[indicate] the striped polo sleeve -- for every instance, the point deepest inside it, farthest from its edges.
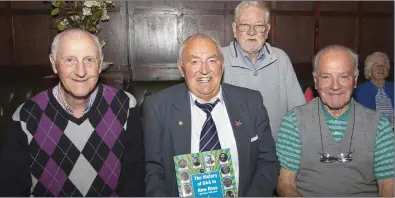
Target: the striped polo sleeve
(384, 150)
(288, 144)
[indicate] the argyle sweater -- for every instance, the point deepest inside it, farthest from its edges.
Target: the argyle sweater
(49, 152)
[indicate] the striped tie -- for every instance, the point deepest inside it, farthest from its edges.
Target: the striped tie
(208, 137)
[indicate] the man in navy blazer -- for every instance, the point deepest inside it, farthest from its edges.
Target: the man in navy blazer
(173, 124)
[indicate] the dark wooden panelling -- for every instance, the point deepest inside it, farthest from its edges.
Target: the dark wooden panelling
(228, 34)
(157, 73)
(304, 72)
(316, 25)
(145, 35)
(52, 34)
(32, 39)
(31, 5)
(156, 38)
(131, 36)
(374, 6)
(202, 5)
(5, 42)
(212, 25)
(272, 32)
(232, 4)
(116, 37)
(337, 30)
(159, 4)
(293, 6)
(377, 34)
(298, 43)
(350, 6)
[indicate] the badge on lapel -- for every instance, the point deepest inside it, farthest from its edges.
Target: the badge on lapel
(180, 123)
(237, 123)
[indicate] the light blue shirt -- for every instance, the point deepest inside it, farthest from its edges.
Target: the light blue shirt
(247, 59)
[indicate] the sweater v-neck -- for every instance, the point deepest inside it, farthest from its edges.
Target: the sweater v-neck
(55, 104)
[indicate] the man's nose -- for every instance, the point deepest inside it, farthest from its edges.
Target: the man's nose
(204, 69)
(80, 70)
(335, 85)
(252, 30)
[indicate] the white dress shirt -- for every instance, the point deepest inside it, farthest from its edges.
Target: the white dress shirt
(222, 123)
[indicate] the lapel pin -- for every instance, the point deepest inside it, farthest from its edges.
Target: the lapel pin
(237, 122)
(180, 123)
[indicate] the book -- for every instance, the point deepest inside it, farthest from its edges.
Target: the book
(206, 174)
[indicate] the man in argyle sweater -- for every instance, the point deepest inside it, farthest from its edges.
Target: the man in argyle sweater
(80, 138)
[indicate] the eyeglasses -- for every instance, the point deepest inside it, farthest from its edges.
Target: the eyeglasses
(246, 27)
(342, 157)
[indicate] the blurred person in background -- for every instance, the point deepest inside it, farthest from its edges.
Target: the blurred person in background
(377, 93)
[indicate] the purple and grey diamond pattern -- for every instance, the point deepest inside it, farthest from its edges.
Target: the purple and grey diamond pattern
(76, 160)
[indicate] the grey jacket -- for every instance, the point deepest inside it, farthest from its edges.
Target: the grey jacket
(275, 78)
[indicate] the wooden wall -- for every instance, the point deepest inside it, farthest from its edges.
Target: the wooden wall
(145, 35)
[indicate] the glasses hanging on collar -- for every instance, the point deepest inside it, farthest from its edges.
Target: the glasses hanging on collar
(343, 156)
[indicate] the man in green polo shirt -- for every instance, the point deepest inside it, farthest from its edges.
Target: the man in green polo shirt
(333, 146)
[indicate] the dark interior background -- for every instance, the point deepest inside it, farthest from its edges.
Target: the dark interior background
(144, 36)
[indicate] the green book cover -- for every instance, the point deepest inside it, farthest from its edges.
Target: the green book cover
(206, 174)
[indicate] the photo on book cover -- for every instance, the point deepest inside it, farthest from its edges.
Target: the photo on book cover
(206, 174)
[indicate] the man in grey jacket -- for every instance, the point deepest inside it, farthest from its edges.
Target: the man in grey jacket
(252, 63)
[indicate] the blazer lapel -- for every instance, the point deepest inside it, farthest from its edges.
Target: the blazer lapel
(180, 122)
(237, 116)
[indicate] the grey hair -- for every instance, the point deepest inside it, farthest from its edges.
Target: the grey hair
(258, 4)
(58, 37)
(199, 36)
(336, 48)
(371, 60)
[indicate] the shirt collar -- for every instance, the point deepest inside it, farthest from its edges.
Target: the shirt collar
(344, 117)
(261, 55)
(219, 96)
(59, 97)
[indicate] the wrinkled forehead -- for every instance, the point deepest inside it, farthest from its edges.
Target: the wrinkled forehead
(336, 61)
(201, 46)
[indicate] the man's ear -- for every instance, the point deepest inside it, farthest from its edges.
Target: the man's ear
(101, 61)
(356, 81)
(267, 31)
(234, 29)
(180, 68)
(315, 80)
(53, 63)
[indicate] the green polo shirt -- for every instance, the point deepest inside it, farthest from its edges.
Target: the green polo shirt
(289, 147)
(337, 126)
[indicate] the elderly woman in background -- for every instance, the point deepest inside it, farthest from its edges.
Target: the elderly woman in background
(377, 94)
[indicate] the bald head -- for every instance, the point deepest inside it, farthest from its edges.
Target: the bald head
(63, 37)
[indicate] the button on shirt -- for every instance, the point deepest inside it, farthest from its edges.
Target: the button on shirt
(222, 123)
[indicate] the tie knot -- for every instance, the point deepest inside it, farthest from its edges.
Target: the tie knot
(206, 107)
